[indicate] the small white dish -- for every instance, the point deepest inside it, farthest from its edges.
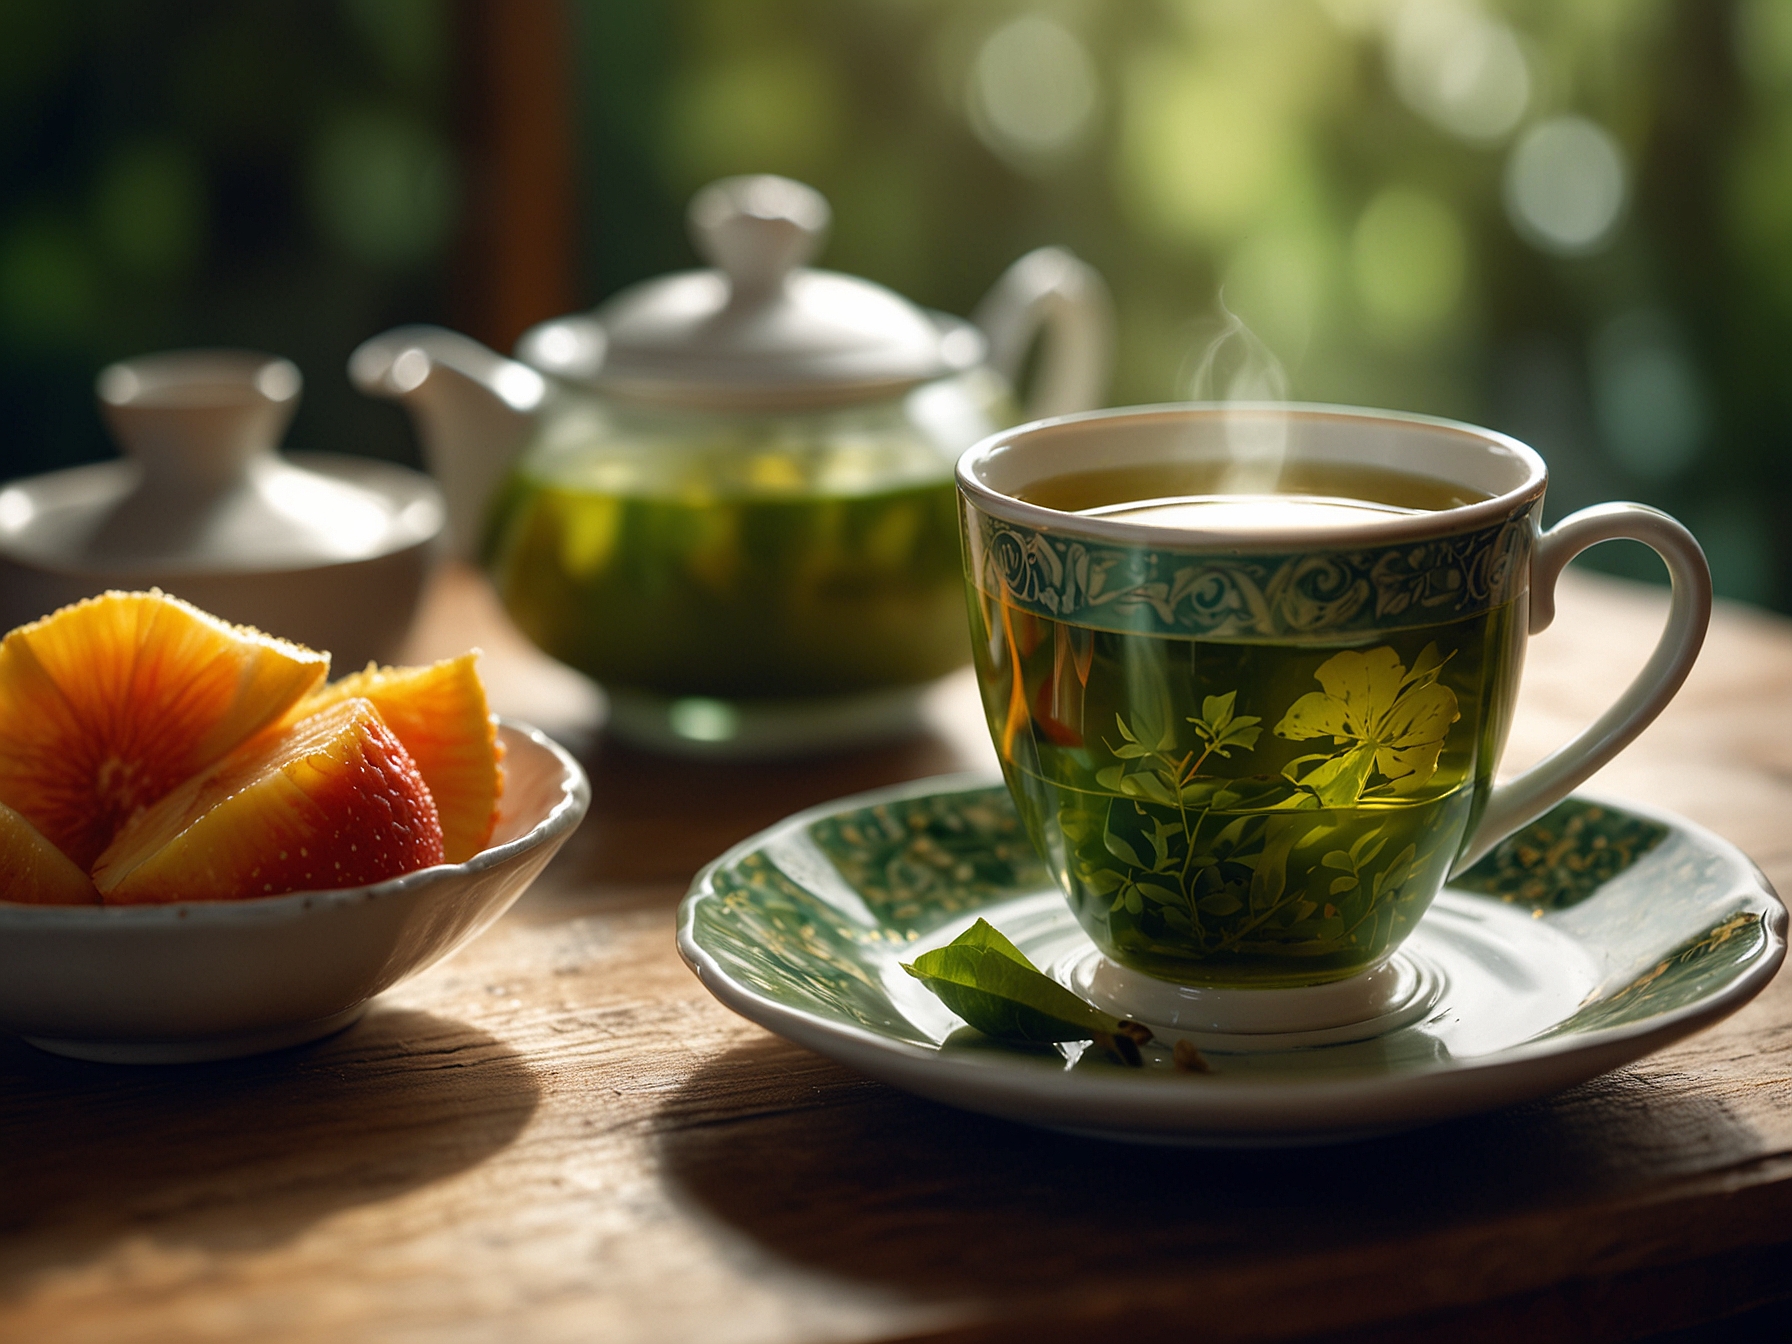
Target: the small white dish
(166, 984)
(1599, 933)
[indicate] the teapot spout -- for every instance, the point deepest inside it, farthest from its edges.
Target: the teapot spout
(473, 409)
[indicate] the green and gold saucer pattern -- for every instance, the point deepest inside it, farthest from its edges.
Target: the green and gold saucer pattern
(1597, 934)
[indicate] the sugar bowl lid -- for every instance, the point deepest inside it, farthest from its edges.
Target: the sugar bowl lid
(760, 328)
(203, 489)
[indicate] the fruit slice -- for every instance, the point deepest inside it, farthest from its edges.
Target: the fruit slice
(335, 801)
(439, 713)
(108, 704)
(35, 872)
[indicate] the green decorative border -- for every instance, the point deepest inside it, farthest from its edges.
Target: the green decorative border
(925, 860)
(1687, 975)
(770, 933)
(1241, 596)
(1563, 857)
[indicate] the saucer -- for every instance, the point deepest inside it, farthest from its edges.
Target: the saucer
(1594, 936)
(205, 980)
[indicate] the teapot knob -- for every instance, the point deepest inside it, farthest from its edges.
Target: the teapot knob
(758, 228)
(194, 420)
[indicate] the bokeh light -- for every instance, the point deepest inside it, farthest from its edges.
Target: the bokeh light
(1647, 395)
(1408, 258)
(1204, 154)
(49, 290)
(382, 188)
(1764, 44)
(1571, 221)
(772, 106)
(1460, 67)
(1738, 543)
(1033, 92)
(1565, 185)
(149, 208)
(1279, 282)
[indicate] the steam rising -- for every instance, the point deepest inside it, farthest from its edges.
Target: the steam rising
(1237, 367)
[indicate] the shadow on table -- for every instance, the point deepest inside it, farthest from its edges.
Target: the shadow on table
(244, 1154)
(863, 1181)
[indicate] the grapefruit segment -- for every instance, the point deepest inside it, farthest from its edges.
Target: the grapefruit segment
(35, 872)
(108, 704)
(334, 801)
(440, 714)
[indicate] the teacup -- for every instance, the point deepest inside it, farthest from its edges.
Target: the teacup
(1250, 669)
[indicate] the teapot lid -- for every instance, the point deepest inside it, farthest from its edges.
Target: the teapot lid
(760, 329)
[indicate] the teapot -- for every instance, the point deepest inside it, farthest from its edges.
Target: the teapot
(726, 494)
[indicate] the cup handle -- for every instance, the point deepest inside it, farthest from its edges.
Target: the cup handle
(1524, 799)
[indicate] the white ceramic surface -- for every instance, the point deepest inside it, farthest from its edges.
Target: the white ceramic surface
(804, 927)
(218, 979)
(327, 550)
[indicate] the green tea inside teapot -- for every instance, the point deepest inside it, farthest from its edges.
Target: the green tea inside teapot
(734, 485)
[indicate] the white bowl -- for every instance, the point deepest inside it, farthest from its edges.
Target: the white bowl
(167, 984)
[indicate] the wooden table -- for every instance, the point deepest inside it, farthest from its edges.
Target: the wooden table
(560, 1136)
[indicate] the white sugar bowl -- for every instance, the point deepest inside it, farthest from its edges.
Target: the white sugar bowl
(329, 550)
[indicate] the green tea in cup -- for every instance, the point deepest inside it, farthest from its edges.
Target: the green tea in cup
(1250, 705)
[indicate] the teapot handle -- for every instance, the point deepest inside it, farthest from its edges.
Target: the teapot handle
(1051, 289)
(473, 409)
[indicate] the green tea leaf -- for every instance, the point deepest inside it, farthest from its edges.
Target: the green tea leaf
(1217, 709)
(1270, 876)
(1218, 727)
(1338, 781)
(1148, 786)
(1122, 850)
(1202, 792)
(1252, 791)
(1103, 880)
(1241, 732)
(989, 982)
(1229, 835)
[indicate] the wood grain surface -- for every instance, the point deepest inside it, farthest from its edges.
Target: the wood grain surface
(558, 1135)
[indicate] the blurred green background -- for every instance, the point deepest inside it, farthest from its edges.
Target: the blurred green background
(1567, 219)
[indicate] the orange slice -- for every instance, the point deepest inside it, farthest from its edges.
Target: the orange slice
(35, 872)
(440, 714)
(108, 704)
(336, 801)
